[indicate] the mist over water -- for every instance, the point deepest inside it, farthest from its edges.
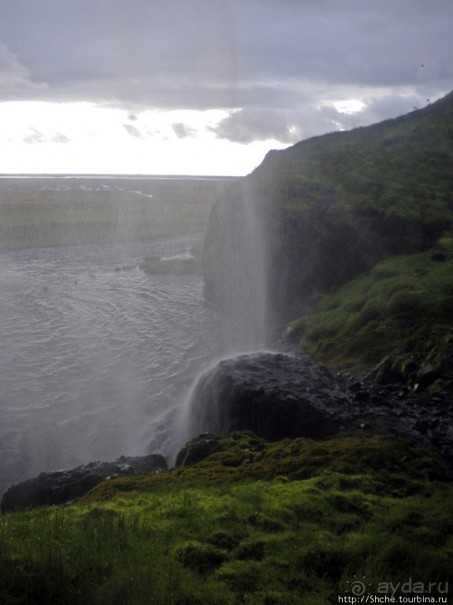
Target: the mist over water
(99, 359)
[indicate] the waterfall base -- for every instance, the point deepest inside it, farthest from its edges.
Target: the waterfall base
(280, 396)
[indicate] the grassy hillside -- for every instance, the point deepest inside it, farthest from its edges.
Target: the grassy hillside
(403, 308)
(294, 522)
(394, 176)
(339, 203)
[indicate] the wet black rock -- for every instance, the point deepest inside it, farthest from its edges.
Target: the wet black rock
(279, 396)
(62, 487)
(272, 394)
(438, 256)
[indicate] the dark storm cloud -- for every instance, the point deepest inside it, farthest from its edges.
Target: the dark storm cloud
(277, 61)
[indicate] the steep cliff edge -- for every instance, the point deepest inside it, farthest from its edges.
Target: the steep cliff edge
(338, 203)
(346, 200)
(333, 206)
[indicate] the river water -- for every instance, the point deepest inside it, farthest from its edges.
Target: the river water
(97, 356)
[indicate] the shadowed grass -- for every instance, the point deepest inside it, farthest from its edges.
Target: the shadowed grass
(403, 306)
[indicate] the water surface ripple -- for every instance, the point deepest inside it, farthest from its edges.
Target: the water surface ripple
(95, 353)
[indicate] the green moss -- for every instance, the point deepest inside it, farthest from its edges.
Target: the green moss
(202, 558)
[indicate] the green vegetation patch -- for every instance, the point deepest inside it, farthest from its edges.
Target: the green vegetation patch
(393, 177)
(259, 541)
(403, 306)
(379, 465)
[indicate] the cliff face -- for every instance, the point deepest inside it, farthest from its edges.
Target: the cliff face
(333, 206)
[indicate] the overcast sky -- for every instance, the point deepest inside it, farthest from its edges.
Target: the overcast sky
(206, 86)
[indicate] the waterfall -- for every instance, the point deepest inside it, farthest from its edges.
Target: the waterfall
(235, 268)
(235, 262)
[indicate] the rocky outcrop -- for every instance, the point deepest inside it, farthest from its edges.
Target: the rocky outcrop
(277, 395)
(273, 395)
(198, 449)
(62, 487)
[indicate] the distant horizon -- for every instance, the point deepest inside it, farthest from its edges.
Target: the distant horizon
(88, 175)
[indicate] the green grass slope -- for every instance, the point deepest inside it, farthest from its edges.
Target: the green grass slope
(403, 308)
(294, 522)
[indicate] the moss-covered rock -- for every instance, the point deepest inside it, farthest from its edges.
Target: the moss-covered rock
(198, 449)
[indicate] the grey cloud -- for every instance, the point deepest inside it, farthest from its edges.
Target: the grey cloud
(370, 43)
(311, 119)
(60, 138)
(285, 58)
(168, 49)
(181, 130)
(154, 53)
(13, 75)
(36, 136)
(285, 126)
(133, 131)
(256, 124)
